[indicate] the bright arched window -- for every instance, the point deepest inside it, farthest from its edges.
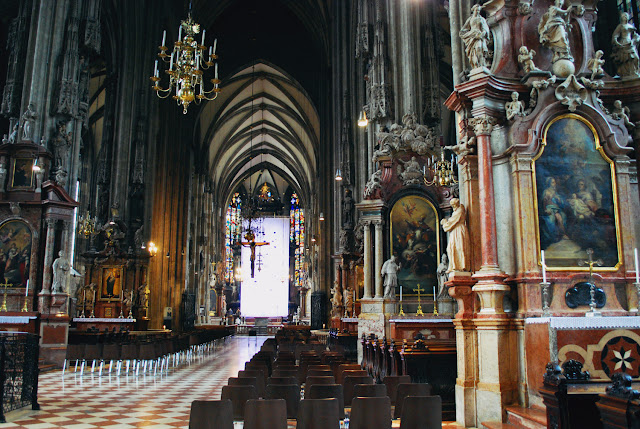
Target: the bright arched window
(297, 236)
(233, 233)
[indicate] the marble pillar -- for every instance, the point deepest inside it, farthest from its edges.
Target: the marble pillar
(48, 255)
(367, 260)
(379, 259)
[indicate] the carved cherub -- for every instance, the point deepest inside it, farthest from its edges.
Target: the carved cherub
(464, 147)
(526, 59)
(514, 107)
(622, 112)
(595, 65)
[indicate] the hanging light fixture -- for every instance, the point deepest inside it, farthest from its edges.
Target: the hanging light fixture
(362, 120)
(186, 66)
(338, 175)
(441, 172)
(321, 216)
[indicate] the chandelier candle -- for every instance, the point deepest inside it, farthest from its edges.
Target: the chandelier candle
(635, 255)
(544, 267)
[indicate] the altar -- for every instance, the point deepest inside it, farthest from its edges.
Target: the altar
(101, 323)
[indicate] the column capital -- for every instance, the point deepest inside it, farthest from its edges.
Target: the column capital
(51, 223)
(483, 125)
(377, 223)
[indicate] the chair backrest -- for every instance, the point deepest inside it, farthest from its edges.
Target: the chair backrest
(371, 413)
(211, 415)
(319, 414)
(323, 391)
(288, 392)
(265, 414)
(351, 373)
(239, 395)
(258, 375)
(279, 372)
(369, 390)
(350, 382)
(319, 373)
(282, 380)
(259, 365)
(311, 380)
(319, 366)
(254, 372)
(409, 389)
(340, 368)
(244, 381)
(421, 412)
(392, 381)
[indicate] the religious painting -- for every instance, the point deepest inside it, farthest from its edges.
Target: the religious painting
(111, 283)
(415, 241)
(15, 253)
(576, 197)
(22, 173)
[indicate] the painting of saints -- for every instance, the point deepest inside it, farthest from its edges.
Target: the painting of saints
(415, 241)
(576, 204)
(22, 173)
(111, 283)
(15, 253)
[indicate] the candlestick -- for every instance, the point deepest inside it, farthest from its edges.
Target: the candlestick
(544, 267)
(419, 312)
(84, 302)
(635, 254)
(93, 306)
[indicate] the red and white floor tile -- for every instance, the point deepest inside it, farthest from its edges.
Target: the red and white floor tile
(160, 401)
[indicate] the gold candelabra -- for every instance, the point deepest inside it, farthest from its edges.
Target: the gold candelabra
(442, 172)
(186, 67)
(86, 225)
(419, 312)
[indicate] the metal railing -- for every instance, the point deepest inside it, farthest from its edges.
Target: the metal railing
(18, 371)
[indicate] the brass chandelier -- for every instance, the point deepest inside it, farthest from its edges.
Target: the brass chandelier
(186, 67)
(442, 172)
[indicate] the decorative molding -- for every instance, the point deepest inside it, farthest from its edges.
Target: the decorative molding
(581, 323)
(571, 93)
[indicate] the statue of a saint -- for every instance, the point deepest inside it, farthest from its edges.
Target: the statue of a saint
(554, 28)
(28, 118)
(390, 275)
(625, 48)
(514, 107)
(441, 272)
(347, 210)
(336, 301)
(458, 246)
(348, 302)
(476, 36)
(60, 268)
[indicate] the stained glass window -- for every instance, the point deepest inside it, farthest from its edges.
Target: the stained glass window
(233, 232)
(297, 237)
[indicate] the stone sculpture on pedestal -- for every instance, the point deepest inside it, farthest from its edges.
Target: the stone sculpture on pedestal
(476, 36)
(458, 246)
(625, 48)
(390, 275)
(60, 269)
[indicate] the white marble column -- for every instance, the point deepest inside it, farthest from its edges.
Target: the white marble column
(379, 256)
(367, 260)
(48, 255)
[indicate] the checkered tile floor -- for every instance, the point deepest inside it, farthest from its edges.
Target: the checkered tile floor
(128, 401)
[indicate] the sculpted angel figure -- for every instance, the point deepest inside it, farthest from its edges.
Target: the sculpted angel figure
(620, 112)
(514, 107)
(625, 47)
(464, 147)
(476, 36)
(373, 183)
(595, 65)
(526, 59)
(554, 29)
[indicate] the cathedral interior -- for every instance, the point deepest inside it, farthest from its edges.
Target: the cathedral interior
(443, 189)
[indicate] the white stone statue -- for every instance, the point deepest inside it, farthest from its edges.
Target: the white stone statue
(464, 147)
(60, 269)
(348, 302)
(28, 117)
(336, 301)
(13, 137)
(476, 36)
(595, 65)
(622, 112)
(554, 31)
(375, 182)
(412, 174)
(390, 276)
(458, 247)
(526, 59)
(514, 107)
(441, 272)
(625, 41)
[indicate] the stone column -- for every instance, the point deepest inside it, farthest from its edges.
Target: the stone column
(490, 286)
(379, 257)
(48, 256)
(367, 260)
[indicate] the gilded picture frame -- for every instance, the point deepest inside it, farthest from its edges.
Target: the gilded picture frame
(415, 240)
(111, 283)
(576, 200)
(15, 253)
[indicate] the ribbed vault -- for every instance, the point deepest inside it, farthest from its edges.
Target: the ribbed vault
(263, 120)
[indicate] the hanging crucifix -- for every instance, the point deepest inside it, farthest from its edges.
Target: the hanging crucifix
(251, 243)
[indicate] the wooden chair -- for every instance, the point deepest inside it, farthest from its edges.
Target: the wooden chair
(239, 395)
(282, 380)
(319, 414)
(323, 391)
(319, 380)
(246, 381)
(350, 382)
(421, 412)
(371, 413)
(341, 367)
(319, 373)
(288, 392)
(392, 382)
(265, 414)
(409, 389)
(211, 415)
(351, 373)
(369, 390)
(260, 380)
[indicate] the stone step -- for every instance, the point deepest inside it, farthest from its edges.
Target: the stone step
(529, 418)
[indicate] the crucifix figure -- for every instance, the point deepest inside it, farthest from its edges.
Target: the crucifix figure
(419, 312)
(251, 242)
(592, 290)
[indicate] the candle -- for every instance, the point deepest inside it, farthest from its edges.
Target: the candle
(164, 37)
(171, 64)
(434, 293)
(203, 31)
(197, 62)
(216, 72)
(215, 45)
(400, 293)
(179, 33)
(635, 254)
(544, 267)
(155, 69)
(84, 300)
(26, 291)
(210, 50)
